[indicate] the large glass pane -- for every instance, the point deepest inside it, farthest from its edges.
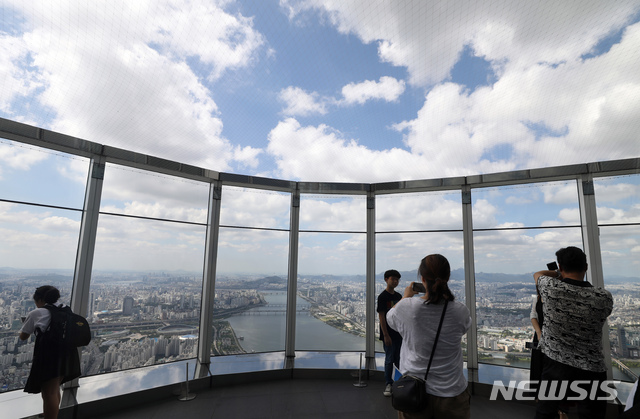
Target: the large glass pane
(38, 247)
(251, 280)
(425, 220)
(420, 211)
(333, 213)
(618, 199)
(141, 193)
(505, 261)
(145, 293)
(618, 209)
(404, 251)
(244, 207)
(532, 205)
(251, 291)
(331, 292)
(36, 175)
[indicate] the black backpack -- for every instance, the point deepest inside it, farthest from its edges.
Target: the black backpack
(72, 330)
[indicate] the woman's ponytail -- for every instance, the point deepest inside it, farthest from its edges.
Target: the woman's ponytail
(435, 270)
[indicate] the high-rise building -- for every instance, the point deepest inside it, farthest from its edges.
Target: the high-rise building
(622, 342)
(127, 306)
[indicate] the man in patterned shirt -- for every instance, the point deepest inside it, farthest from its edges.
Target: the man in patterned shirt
(574, 315)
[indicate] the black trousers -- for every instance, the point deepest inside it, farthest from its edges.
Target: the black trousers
(554, 373)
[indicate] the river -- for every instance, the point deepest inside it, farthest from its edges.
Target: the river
(262, 330)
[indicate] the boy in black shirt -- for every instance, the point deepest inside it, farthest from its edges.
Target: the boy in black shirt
(391, 340)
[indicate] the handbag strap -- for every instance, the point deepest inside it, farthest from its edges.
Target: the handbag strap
(435, 343)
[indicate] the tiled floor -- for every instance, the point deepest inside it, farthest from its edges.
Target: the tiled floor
(299, 398)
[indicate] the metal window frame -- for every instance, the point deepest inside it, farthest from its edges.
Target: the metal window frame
(100, 154)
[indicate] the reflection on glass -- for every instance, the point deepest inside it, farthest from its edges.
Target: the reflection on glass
(141, 193)
(488, 374)
(251, 291)
(331, 281)
(532, 205)
(36, 175)
(333, 213)
(244, 207)
(222, 365)
(331, 360)
(37, 247)
(505, 262)
(145, 295)
(618, 209)
(104, 386)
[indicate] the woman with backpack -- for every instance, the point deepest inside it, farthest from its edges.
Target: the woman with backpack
(53, 363)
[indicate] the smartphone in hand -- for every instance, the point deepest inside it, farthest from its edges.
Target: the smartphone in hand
(418, 287)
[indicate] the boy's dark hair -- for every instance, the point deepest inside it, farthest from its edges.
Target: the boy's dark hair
(572, 259)
(392, 272)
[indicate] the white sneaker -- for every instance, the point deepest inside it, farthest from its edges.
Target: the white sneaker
(387, 391)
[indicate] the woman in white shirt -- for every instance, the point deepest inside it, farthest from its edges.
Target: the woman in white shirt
(52, 363)
(417, 319)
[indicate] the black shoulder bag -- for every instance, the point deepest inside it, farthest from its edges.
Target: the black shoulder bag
(409, 393)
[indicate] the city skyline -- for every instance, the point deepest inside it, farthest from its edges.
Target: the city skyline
(143, 320)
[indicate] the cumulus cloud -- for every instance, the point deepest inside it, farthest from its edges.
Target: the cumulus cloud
(388, 88)
(298, 102)
(301, 103)
(427, 39)
(19, 158)
(542, 80)
(247, 156)
(50, 234)
(322, 154)
(19, 79)
(110, 79)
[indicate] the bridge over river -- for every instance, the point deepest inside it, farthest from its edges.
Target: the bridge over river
(273, 310)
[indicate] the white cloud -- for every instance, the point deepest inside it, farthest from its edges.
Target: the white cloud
(247, 156)
(560, 193)
(519, 200)
(244, 207)
(428, 37)
(19, 158)
(49, 234)
(541, 79)
(609, 215)
(321, 154)
(117, 73)
(607, 192)
(18, 78)
(569, 216)
(457, 129)
(300, 103)
(345, 214)
(388, 88)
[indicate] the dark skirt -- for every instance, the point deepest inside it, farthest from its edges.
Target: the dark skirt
(50, 360)
(535, 370)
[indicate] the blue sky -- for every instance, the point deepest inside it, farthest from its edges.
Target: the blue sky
(340, 91)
